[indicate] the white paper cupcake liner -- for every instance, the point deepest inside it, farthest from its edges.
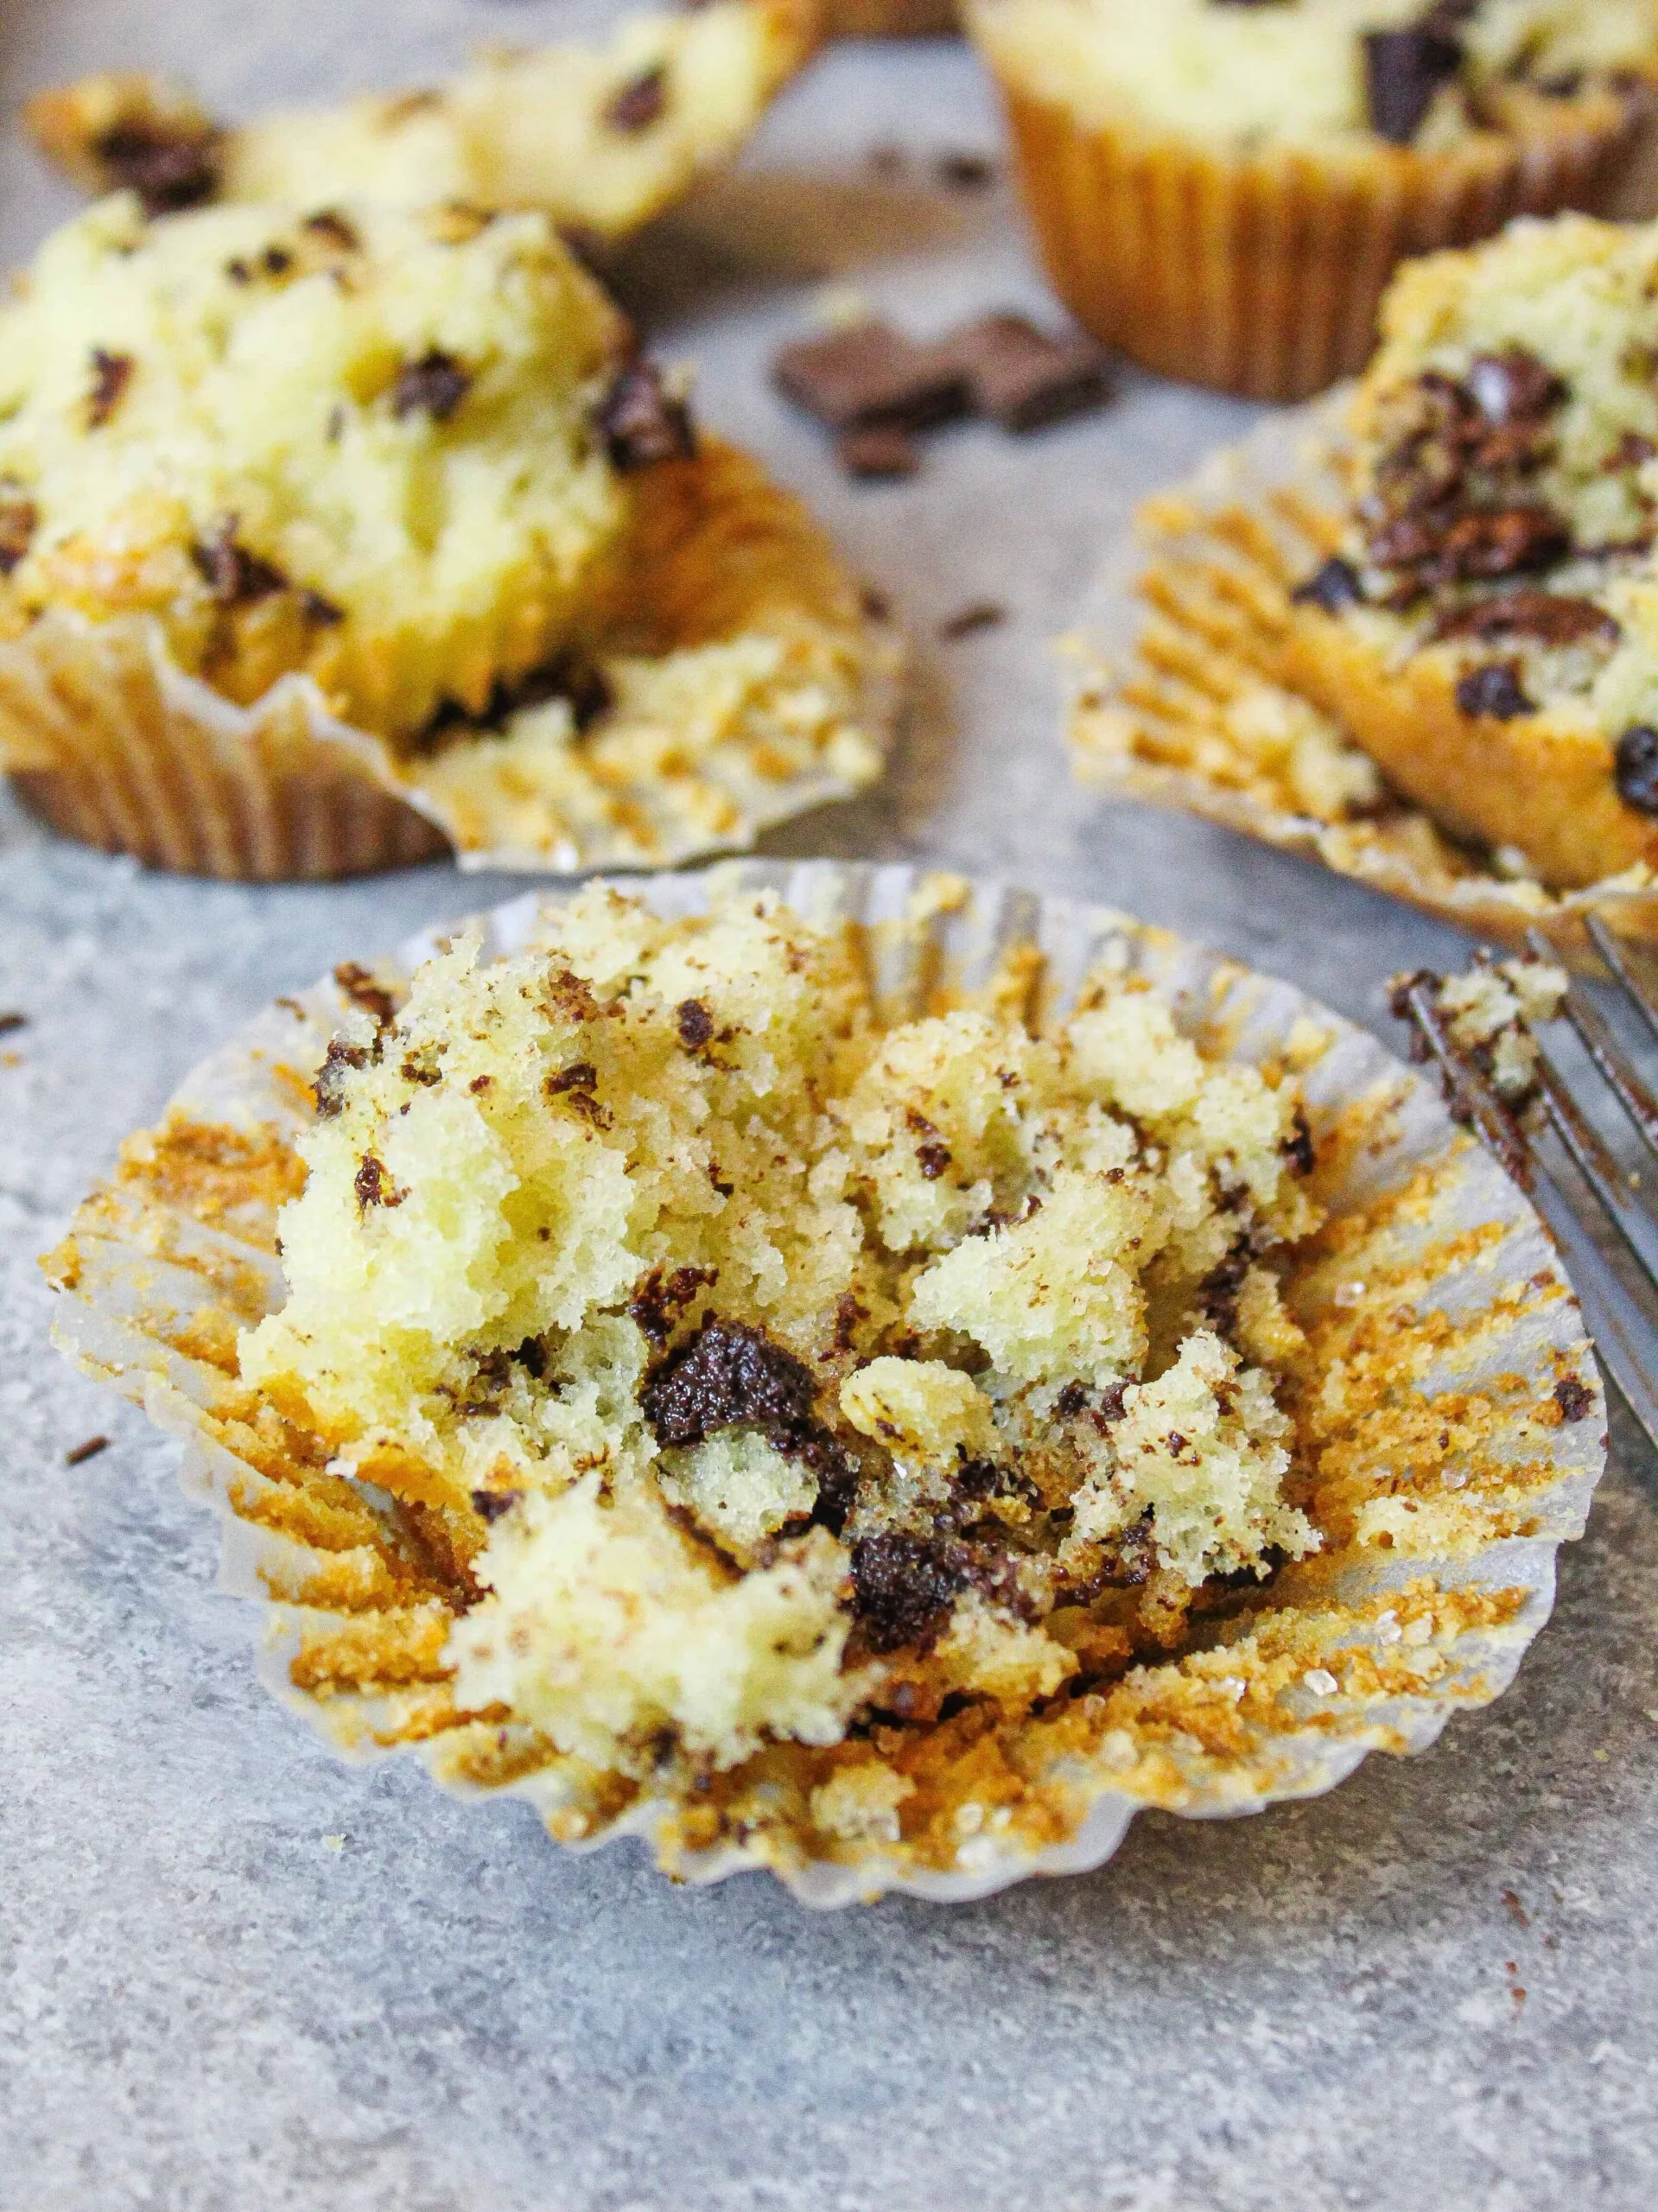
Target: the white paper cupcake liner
(1443, 1505)
(1248, 516)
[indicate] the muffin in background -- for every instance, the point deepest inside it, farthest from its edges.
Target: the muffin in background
(602, 139)
(1223, 189)
(312, 526)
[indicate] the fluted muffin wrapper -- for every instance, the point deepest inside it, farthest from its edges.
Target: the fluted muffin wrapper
(111, 743)
(1437, 1283)
(1261, 271)
(1194, 589)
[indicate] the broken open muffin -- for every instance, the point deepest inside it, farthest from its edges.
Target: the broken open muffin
(322, 532)
(599, 140)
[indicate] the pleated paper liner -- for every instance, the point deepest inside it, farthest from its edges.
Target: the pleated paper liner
(113, 743)
(1441, 1472)
(1261, 271)
(1178, 696)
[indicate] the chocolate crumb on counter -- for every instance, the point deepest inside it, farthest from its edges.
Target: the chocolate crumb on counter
(963, 172)
(1635, 768)
(1333, 585)
(434, 384)
(980, 614)
(233, 575)
(870, 373)
(1404, 72)
(168, 168)
(10, 1023)
(89, 1450)
(641, 422)
(1023, 379)
(639, 103)
(878, 454)
(111, 374)
(1574, 1398)
(1495, 690)
(727, 1375)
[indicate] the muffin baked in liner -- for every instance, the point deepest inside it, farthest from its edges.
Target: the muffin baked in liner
(1259, 271)
(113, 743)
(1444, 1464)
(603, 141)
(1183, 692)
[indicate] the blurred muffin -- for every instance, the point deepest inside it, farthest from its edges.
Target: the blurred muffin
(300, 514)
(600, 140)
(1223, 188)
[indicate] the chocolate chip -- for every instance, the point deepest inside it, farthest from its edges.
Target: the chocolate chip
(1494, 691)
(1332, 586)
(235, 576)
(695, 1024)
(490, 1504)
(330, 225)
(89, 1450)
(879, 453)
(869, 374)
(1404, 71)
(1071, 1401)
(1573, 1397)
(932, 1159)
(640, 423)
(659, 1298)
(436, 385)
(727, 1375)
(329, 1088)
(581, 1074)
(980, 615)
(639, 103)
(1024, 378)
(570, 675)
(373, 1186)
(111, 374)
(168, 170)
(1636, 770)
(19, 519)
(905, 1588)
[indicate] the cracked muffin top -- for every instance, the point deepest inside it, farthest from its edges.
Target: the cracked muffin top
(1325, 72)
(760, 1365)
(377, 446)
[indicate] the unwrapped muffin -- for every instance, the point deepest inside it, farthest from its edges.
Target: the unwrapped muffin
(305, 518)
(1222, 189)
(600, 140)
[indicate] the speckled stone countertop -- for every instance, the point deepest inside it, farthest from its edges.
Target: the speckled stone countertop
(237, 1973)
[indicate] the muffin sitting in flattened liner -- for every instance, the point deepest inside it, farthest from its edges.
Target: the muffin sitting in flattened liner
(1222, 189)
(305, 516)
(602, 141)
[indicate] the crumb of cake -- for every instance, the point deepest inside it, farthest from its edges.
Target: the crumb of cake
(1490, 1011)
(765, 1365)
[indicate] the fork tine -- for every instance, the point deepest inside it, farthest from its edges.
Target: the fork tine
(1612, 953)
(1608, 1056)
(1597, 1167)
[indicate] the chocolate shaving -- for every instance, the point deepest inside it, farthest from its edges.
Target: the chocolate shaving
(168, 168)
(581, 1074)
(1495, 690)
(1404, 71)
(640, 423)
(235, 576)
(1635, 768)
(111, 374)
(89, 1450)
(436, 385)
(1550, 617)
(727, 1375)
(639, 103)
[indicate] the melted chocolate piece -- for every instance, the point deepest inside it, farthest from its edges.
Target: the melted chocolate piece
(1478, 547)
(1549, 617)
(111, 374)
(1574, 1398)
(1299, 1148)
(639, 103)
(905, 1588)
(640, 424)
(1404, 71)
(728, 1375)
(570, 675)
(1495, 690)
(659, 1298)
(1635, 768)
(1512, 386)
(967, 621)
(331, 227)
(235, 576)
(695, 1024)
(168, 170)
(1333, 585)
(434, 384)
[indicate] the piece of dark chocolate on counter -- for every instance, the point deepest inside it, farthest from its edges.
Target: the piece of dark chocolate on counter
(870, 373)
(1635, 768)
(879, 453)
(1495, 690)
(1333, 585)
(1023, 377)
(1552, 618)
(1404, 71)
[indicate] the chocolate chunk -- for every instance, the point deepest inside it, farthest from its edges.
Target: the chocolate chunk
(1512, 386)
(235, 576)
(1636, 770)
(168, 170)
(1574, 1398)
(1495, 690)
(659, 1298)
(639, 103)
(1404, 71)
(640, 423)
(89, 1450)
(1550, 617)
(373, 1186)
(436, 385)
(980, 615)
(905, 1588)
(872, 373)
(19, 519)
(727, 1375)
(329, 1087)
(965, 172)
(695, 1024)
(1024, 378)
(331, 227)
(490, 1504)
(1332, 586)
(111, 374)
(878, 454)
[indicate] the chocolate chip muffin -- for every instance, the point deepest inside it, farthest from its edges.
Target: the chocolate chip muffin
(1223, 188)
(601, 140)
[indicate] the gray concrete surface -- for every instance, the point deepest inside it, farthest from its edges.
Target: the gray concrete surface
(236, 1974)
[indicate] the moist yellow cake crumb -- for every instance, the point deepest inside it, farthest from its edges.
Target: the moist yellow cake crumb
(768, 1363)
(358, 442)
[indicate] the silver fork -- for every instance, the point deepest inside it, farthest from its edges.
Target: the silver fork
(1560, 1159)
